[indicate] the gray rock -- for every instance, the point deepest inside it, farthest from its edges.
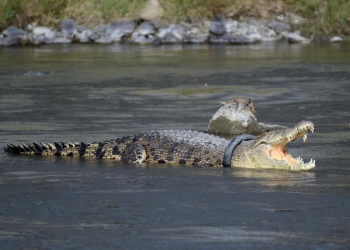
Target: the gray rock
(163, 31)
(217, 28)
(199, 39)
(254, 38)
(13, 31)
(238, 117)
(32, 39)
(218, 25)
(279, 27)
(186, 25)
(49, 41)
(120, 30)
(93, 36)
(219, 39)
(81, 28)
(12, 36)
(62, 40)
(271, 38)
(336, 39)
(177, 31)
(83, 37)
(157, 23)
(104, 40)
(102, 28)
(231, 26)
(29, 27)
(25, 39)
(10, 41)
(37, 39)
(68, 27)
(145, 28)
(172, 34)
(45, 31)
(242, 39)
(194, 31)
(169, 39)
(266, 32)
(156, 40)
(296, 38)
(140, 39)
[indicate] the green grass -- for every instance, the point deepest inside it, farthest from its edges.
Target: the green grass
(325, 17)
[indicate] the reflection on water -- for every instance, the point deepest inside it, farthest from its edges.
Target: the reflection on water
(277, 178)
(126, 60)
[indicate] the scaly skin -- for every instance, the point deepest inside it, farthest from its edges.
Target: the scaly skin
(185, 148)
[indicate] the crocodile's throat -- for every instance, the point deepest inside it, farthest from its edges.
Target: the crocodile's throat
(280, 153)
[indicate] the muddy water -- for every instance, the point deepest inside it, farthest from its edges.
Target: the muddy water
(94, 93)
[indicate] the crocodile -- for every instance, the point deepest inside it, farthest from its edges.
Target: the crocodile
(185, 147)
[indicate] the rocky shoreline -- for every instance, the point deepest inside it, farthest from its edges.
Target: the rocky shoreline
(219, 30)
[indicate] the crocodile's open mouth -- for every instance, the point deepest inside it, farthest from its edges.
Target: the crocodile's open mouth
(275, 144)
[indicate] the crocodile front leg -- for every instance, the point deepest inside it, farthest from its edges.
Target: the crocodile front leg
(134, 153)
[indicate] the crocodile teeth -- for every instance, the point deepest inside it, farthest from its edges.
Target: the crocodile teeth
(300, 159)
(312, 161)
(312, 129)
(305, 137)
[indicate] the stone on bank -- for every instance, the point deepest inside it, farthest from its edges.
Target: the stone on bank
(151, 31)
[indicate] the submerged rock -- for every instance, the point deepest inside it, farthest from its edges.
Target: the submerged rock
(238, 117)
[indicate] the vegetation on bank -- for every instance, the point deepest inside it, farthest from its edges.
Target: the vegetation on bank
(324, 17)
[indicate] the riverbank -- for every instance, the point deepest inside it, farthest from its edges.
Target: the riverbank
(217, 31)
(152, 22)
(323, 18)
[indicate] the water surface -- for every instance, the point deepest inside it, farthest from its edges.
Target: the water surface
(94, 93)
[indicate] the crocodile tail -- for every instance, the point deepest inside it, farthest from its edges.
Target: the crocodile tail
(55, 149)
